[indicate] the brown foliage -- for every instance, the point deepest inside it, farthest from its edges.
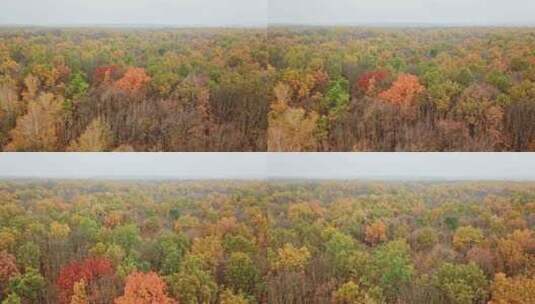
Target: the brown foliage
(483, 257)
(375, 233)
(8, 267)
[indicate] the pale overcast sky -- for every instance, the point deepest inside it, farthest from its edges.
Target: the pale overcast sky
(481, 12)
(258, 12)
(505, 166)
(133, 12)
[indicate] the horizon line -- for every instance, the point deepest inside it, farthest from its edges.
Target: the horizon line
(385, 178)
(272, 24)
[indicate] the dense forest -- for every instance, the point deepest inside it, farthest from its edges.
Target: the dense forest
(274, 89)
(342, 242)
(143, 90)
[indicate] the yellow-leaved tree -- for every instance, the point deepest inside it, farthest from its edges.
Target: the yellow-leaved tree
(96, 138)
(290, 129)
(38, 130)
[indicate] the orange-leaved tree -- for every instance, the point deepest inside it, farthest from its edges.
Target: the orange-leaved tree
(145, 288)
(403, 91)
(376, 233)
(518, 289)
(133, 80)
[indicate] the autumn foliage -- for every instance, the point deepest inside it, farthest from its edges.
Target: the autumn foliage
(106, 74)
(144, 288)
(8, 267)
(79, 295)
(291, 129)
(133, 81)
(369, 81)
(38, 129)
(512, 290)
(96, 138)
(89, 270)
(276, 241)
(376, 233)
(346, 89)
(403, 91)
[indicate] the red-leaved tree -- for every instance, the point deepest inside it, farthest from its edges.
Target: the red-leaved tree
(8, 267)
(105, 74)
(368, 81)
(90, 270)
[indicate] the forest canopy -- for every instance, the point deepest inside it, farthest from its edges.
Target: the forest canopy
(342, 242)
(274, 89)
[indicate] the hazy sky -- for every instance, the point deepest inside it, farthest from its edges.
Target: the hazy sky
(482, 12)
(165, 12)
(262, 165)
(258, 12)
